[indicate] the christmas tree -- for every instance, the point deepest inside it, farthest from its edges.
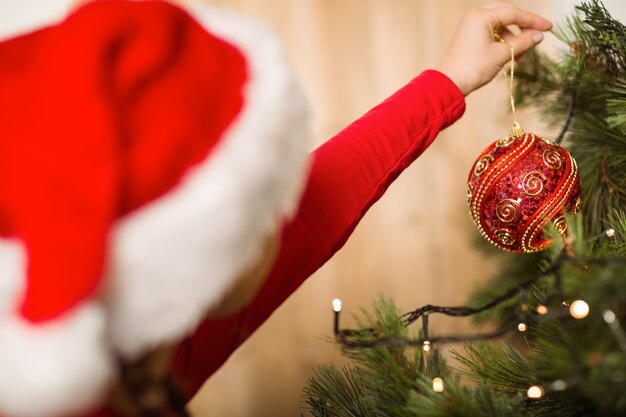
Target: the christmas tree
(556, 346)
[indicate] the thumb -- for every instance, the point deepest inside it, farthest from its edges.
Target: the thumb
(525, 40)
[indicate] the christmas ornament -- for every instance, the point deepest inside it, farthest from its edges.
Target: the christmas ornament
(519, 184)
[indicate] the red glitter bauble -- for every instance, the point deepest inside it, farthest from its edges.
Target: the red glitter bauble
(517, 186)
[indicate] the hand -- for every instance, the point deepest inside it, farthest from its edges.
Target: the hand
(474, 57)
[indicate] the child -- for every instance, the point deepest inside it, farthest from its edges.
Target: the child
(144, 179)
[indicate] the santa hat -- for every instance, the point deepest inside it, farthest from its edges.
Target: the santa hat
(144, 160)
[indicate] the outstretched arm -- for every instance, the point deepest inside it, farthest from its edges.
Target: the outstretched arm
(352, 170)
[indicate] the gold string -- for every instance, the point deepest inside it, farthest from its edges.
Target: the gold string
(516, 130)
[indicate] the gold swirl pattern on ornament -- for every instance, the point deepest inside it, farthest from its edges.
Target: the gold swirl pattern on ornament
(507, 210)
(482, 164)
(504, 142)
(470, 189)
(527, 142)
(552, 159)
(560, 225)
(532, 184)
(552, 207)
(504, 237)
(498, 169)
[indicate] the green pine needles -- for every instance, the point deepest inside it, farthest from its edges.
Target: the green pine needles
(592, 73)
(577, 366)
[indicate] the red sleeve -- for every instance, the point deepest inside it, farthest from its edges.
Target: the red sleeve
(350, 172)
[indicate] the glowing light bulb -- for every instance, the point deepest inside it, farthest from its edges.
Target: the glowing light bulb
(609, 316)
(535, 391)
(610, 232)
(541, 309)
(426, 346)
(437, 384)
(337, 305)
(522, 327)
(579, 309)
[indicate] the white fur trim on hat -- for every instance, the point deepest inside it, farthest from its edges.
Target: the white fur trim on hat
(51, 369)
(176, 257)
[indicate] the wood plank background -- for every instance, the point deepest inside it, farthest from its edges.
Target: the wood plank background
(415, 244)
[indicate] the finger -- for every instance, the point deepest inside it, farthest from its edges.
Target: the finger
(507, 35)
(525, 40)
(520, 44)
(504, 16)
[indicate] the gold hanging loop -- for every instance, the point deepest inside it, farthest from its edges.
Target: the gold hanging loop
(516, 130)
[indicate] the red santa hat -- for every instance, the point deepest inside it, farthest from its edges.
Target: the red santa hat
(144, 160)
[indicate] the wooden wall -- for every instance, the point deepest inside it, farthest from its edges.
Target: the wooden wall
(415, 244)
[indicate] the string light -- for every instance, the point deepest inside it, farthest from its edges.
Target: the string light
(609, 316)
(609, 232)
(559, 385)
(535, 392)
(337, 310)
(437, 384)
(616, 328)
(579, 309)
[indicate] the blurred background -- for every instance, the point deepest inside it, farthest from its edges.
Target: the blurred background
(415, 245)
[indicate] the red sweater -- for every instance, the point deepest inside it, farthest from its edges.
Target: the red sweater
(350, 172)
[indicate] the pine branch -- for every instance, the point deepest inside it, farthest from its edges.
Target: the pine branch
(607, 36)
(593, 70)
(617, 221)
(333, 392)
